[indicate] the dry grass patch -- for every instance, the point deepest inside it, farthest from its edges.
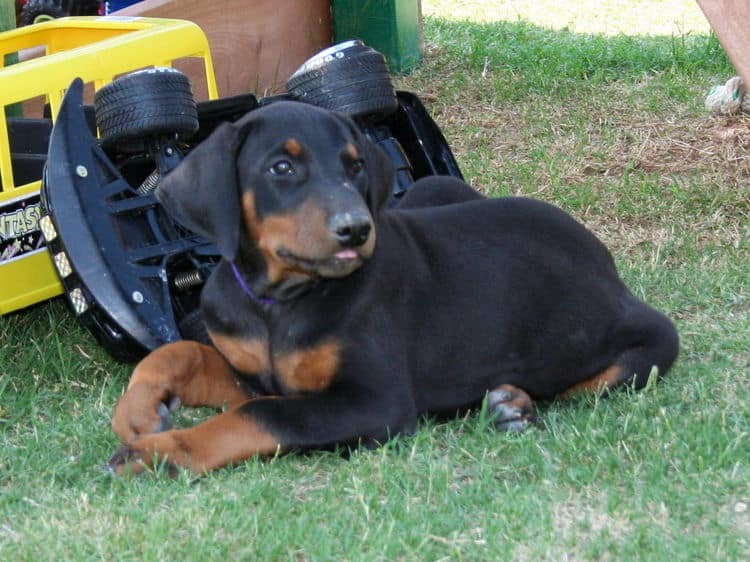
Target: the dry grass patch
(584, 153)
(684, 145)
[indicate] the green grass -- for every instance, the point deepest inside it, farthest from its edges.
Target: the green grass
(612, 129)
(608, 17)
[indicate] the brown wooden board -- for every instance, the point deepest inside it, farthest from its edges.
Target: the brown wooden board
(255, 45)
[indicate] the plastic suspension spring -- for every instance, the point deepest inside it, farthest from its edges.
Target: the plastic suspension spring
(187, 279)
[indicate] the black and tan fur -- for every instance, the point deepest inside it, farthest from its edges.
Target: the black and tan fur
(376, 316)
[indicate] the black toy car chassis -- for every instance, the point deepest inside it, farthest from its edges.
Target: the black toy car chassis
(130, 273)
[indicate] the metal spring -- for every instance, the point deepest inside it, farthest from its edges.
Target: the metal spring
(187, 279)
(149, 184)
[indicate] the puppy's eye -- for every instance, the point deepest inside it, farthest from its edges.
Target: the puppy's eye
(282, 168)
(357, 166)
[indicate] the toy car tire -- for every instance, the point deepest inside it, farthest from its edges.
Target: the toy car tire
(349, 77)
(151, 102)
(36, 11)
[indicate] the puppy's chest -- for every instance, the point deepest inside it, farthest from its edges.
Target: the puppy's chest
(296, 361)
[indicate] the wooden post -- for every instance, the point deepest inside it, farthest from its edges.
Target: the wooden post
(255, 45)
(393, 27)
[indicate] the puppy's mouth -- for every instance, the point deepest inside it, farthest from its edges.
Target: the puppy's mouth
(340, 264)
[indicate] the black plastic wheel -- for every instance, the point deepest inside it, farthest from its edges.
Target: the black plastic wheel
(349, 77)
(151, 102)
(37, 11)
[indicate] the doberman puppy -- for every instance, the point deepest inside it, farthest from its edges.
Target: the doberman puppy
(336, 320)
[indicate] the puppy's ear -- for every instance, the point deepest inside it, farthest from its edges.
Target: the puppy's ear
(381, 172)
(202, 194)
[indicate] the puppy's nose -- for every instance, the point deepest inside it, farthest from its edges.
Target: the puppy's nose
(351, 230)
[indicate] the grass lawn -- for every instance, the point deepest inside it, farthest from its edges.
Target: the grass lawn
(545, 101)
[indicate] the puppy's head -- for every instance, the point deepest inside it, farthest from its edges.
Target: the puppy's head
(298, 183)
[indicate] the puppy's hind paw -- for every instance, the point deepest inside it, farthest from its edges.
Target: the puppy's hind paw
(511, 408)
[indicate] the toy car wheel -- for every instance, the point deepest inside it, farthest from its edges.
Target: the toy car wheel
(349, 77)
(146, 103)
(38, 11)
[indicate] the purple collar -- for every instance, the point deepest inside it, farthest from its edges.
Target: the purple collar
(247, 290)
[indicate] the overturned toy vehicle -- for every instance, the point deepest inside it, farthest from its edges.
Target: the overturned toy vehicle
(130, 273)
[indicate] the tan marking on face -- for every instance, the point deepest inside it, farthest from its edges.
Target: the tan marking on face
(309, 370)
(293, 147)
(276, 267)
(352, 151)
(368, 247)
(608, 378)
(248, 356)
(304, 233)
(248, 211)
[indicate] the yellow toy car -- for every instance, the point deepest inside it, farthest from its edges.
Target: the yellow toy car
(97, 50)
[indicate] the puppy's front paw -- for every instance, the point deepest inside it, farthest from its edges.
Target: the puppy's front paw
(511, 408)
(135, 458)
(141, 411)
(125, 461)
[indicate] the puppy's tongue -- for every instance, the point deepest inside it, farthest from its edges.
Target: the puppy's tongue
(347, 254)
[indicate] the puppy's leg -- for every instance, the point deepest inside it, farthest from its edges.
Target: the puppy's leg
(512, 408)
(262, 426)
(186, 372)
(224, 439)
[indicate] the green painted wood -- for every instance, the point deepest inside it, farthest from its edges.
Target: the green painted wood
(8, 21)
(393, 27)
